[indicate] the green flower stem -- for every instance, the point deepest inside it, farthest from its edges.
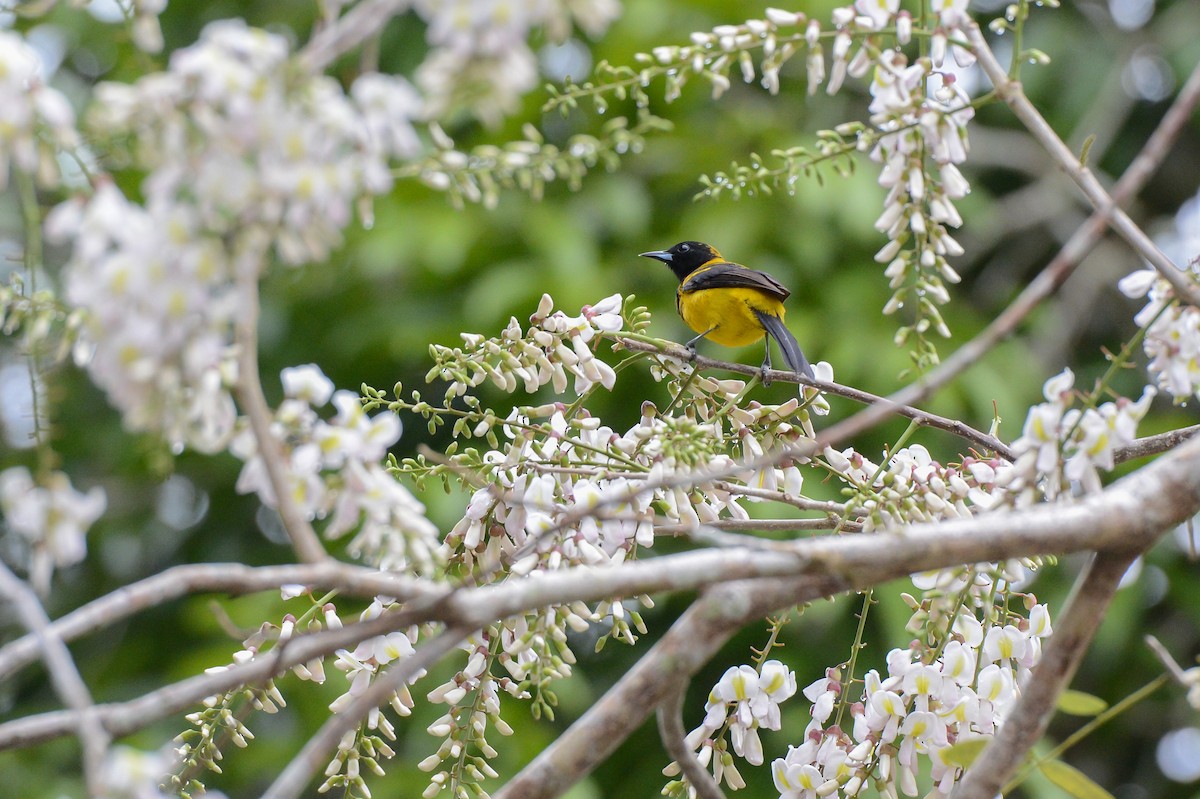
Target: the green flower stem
(543, 429)
(858, 645)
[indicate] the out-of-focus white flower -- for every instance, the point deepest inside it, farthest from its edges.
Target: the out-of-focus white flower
(35, 120)
(52, 517)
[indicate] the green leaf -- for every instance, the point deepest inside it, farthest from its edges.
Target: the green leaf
(964, 752)
(1072, 780)
(1078, 703)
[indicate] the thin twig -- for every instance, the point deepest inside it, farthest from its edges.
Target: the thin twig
(757, 526)
(64, 676)
(1156, 444)
(250, 394)
(925, 418)
(1164, 656)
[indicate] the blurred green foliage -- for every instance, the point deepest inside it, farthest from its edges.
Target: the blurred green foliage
(426, 271)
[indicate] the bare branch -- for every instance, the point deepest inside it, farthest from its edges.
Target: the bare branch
(356, 26)
(1026, 723)
(671, 731)
(1154, 445)
(232, 578)
(64, 675)
(1012, 94)
(924, 418)
(250, 394)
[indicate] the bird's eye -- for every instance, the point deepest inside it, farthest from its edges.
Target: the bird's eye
(684, 247)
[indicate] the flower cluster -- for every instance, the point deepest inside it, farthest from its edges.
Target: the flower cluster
(472, 699)
(36, 121)
(929, 700)
(1172, 339)
(1063, 447)
(50, 517)
(235, 141)
(334, 469)
(919, 113)
(242, 158)
(554, 351)
(368, 743)
(159, 309)
(742, 702)
(566, 489)
(222, 718)
(480, 49)
(912, 487)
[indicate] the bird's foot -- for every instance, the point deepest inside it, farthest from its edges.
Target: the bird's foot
(764, 374)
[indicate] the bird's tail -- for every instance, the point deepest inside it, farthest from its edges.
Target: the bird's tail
(777, 330)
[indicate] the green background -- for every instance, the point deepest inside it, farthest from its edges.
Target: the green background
(427, 271)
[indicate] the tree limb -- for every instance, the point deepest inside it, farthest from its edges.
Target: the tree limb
(1126, 517)
(1013, 95)
(230, 578)
(925, 418)
(1026, 723)
(64, 676)
(250, 394)
(671, 731)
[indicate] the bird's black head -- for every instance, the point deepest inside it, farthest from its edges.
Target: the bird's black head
(684, 257)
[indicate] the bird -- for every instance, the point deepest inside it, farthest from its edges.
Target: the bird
(730, 304)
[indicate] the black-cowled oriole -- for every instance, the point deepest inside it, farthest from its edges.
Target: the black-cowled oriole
(729, 303)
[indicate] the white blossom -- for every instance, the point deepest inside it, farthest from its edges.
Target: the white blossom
(51, 517)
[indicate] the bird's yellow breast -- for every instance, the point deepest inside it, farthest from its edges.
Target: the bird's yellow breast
(730, 311)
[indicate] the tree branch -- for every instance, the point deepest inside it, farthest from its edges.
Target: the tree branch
(924, 418)
(671, 731)
(231, 578)
(1156, 444)
(354, 27)
(1127, 516)
(65, 677)
(1026, 723)
(1013, 95)
(250, 394)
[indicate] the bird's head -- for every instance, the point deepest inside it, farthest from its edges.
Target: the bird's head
(684, 257)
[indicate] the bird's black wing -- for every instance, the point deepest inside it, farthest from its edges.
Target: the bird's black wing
(735, 276)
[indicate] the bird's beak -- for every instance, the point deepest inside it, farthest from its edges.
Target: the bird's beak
(658, 255)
